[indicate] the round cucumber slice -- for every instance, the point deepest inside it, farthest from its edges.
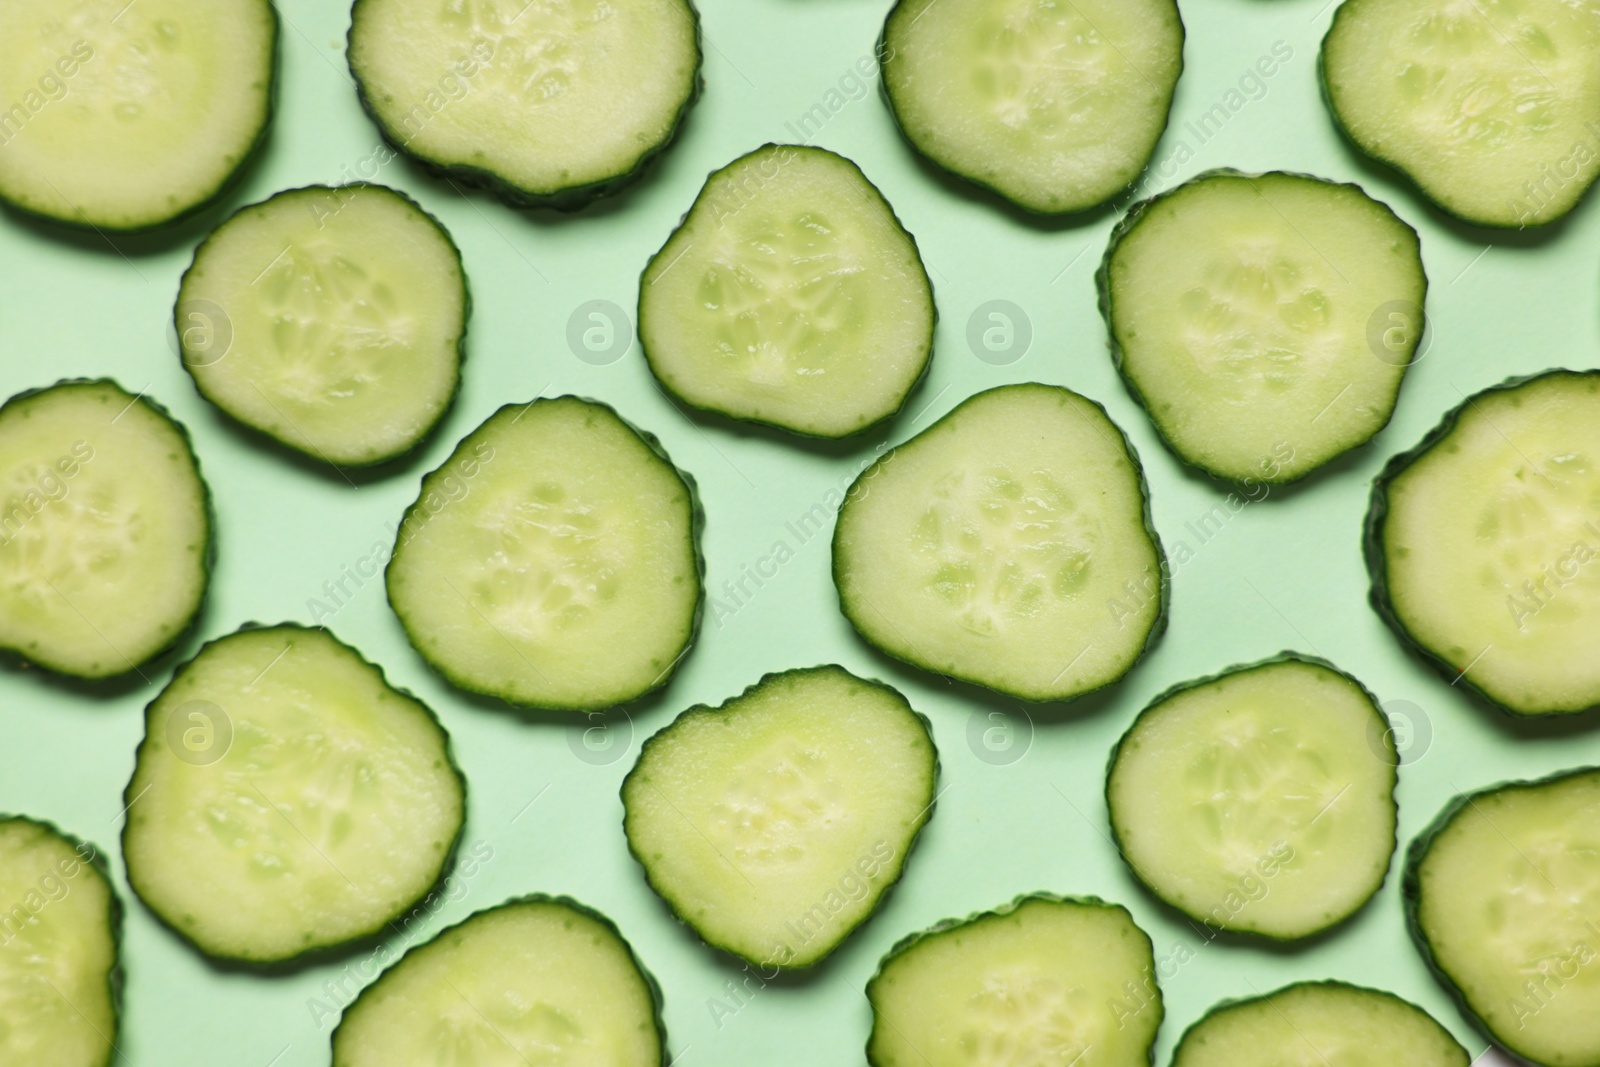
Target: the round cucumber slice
(1482, 544)
(1055, 107)
(790, 295)
(1043, 980)
(105, 529)
(1503, 896)
(1491, 107)
(329, 319)
(286, 799)
(128, 116)
(553, 560)
(1008, 545)
(545, 104)
(540, 980)
(775, 823)
(59, 941)
(1254, 801)
(1264, 321)
(1319, 1024)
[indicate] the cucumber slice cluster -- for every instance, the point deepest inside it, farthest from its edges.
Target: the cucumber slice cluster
(774, 823)
(127, 116)
(1503, 895)
(1489, 106)
(330, 319)
(1055, 107)
(1044, 980)
(1319, 1024)
(105, 529)
(1264, 321)
(285, 799)
(1482, 543)
(553, 561)
(790, 295)
(540, 980)
(1254, 801)
(1009, 545)
(58, 950)
(546, 104)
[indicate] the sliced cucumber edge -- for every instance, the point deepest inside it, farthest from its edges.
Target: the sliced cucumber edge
(683, 220)
(312, 954)
(703, 710)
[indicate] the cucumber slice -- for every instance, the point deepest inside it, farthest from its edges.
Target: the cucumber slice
(105, 529)
(1008, 545)
(774, 823)
(1055, 107)
(1503, 897)
(1043, 980)
(540, 980)
(790, 295)
(129, 116)
(59, 939)
(1482, 544)
(545, 104)
(1319, 1024)
(1252, 800)
(553, 561)
(1490, 106)
(1242, 311)
(329, 319)
(286, 799)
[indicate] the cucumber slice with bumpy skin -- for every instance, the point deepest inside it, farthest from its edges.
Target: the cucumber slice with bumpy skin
(538, 980)
(330, 319)
(790, 295)
(1255, 800)
(553, 561)
(1009, 545)
(1483, 542)
(1503, 896)
(285, 799)
(105, 529)
(1319, 1024)
(59, 939)
(1056, 107)
(1243, 311)
(127, 116)
(775, 823)
(547, 104)
(1063, 981)
(1491, 107)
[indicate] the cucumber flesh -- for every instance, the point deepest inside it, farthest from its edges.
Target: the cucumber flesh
(1482, 543)
(1007, 545)
(1319, 1024)
(1491, 107)
(126, 116)
(552, 561)
(790, 295)
(1253, 801)
(330, 319)
(533, 981)
(1242, 310)
(286, 799)
(58, 950)
(1504, 897)
(105, 529)
(1043, 981)
(775, 823)
(545, 102)
(1056, 107)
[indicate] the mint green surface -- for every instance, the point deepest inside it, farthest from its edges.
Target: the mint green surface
(1285, 572)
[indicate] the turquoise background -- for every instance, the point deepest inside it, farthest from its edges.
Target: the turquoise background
(1285, 572)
